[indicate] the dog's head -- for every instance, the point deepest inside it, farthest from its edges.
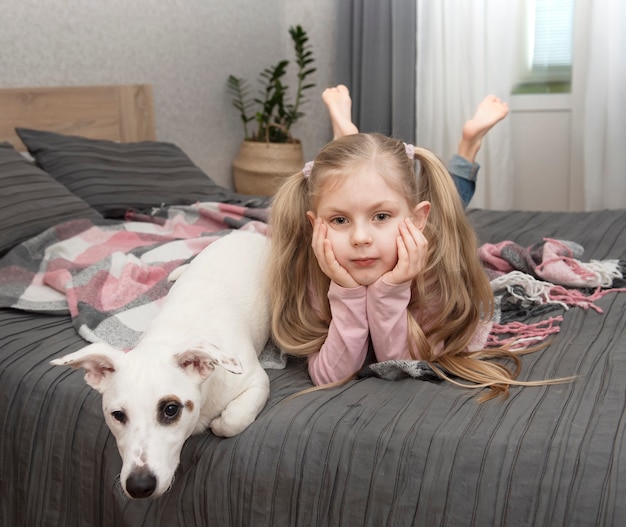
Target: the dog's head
(151, 404)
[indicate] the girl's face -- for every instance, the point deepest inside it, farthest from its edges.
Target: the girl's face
(362, 215)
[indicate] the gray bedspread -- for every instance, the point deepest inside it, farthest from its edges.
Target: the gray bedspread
(371, 453)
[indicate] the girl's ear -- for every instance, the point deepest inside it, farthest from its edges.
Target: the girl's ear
(420, 214)
(312, 217)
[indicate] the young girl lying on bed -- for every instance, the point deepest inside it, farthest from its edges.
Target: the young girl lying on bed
(364, 251)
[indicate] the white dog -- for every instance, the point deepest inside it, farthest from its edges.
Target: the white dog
(168, 387)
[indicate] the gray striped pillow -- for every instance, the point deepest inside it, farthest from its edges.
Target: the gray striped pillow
(114, 177)
(31, 201)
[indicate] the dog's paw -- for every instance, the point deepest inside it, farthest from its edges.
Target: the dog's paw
(226, 426)
(175, 274)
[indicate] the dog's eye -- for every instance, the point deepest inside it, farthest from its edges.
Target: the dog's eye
(119, 416)
(171, 410)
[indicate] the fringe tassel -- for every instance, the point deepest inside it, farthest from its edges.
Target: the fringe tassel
(534, 291)
(517, 335)
(607, 271)
(573, 297)
(530, 291)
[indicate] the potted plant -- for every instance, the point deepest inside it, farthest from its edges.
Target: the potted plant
(269, 152)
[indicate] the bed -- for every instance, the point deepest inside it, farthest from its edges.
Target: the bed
(373, 452)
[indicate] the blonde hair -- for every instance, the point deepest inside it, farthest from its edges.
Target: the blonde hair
(453, 280)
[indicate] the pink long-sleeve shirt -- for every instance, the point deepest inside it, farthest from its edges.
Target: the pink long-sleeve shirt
(358, 314)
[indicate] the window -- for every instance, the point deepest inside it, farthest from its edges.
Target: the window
(547, 48)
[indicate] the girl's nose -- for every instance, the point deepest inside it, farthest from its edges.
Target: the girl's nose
(360, 236)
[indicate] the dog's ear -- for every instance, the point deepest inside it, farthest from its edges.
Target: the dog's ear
(198, 360)
(99, 361)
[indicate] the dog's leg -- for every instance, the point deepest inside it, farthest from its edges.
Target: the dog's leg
(243, 410)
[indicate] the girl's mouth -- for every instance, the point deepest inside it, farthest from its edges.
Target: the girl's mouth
(364, 262)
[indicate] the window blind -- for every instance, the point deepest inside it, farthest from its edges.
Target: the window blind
(554, 26)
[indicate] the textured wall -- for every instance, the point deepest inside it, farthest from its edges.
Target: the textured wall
(184, 48)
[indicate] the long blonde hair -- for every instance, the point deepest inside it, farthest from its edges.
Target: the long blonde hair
(453, 280)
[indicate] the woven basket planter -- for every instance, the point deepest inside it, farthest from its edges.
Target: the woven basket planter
(260, 168)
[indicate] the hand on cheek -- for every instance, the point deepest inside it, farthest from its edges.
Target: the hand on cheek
(326, 257)
(412, 252)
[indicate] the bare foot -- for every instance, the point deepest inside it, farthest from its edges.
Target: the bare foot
(490, 111)
(339, 104)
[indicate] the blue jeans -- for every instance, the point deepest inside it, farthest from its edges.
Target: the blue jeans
(464, 175)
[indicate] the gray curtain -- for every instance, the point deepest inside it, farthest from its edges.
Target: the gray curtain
(376, 59)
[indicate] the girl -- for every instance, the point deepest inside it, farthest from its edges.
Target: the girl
(364, 251)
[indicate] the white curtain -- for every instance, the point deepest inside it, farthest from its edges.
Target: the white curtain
(600, 102)
(466, 50)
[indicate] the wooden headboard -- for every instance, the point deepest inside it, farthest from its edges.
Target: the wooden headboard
(117, 113)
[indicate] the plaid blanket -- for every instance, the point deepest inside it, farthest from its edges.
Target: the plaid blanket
(549, 276)
(112, 276)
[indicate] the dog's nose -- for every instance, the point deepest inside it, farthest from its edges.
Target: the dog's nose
(141, 484)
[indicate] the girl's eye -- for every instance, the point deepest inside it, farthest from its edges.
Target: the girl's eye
(381, 216)
(340, 220)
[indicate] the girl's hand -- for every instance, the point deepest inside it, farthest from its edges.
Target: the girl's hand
(326, 257)
(412, 253)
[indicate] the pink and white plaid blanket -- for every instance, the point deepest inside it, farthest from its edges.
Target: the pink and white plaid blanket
(112, 276)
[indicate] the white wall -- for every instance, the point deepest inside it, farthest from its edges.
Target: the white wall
(547, 137)
(541, 131)
(184, 48)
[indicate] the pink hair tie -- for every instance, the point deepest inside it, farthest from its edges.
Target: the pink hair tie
(410, 150)
(306, 170)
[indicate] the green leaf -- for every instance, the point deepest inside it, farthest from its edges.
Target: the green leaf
(274, 114)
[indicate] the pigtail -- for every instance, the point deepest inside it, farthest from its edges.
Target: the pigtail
(455, 281)
(296, 327)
